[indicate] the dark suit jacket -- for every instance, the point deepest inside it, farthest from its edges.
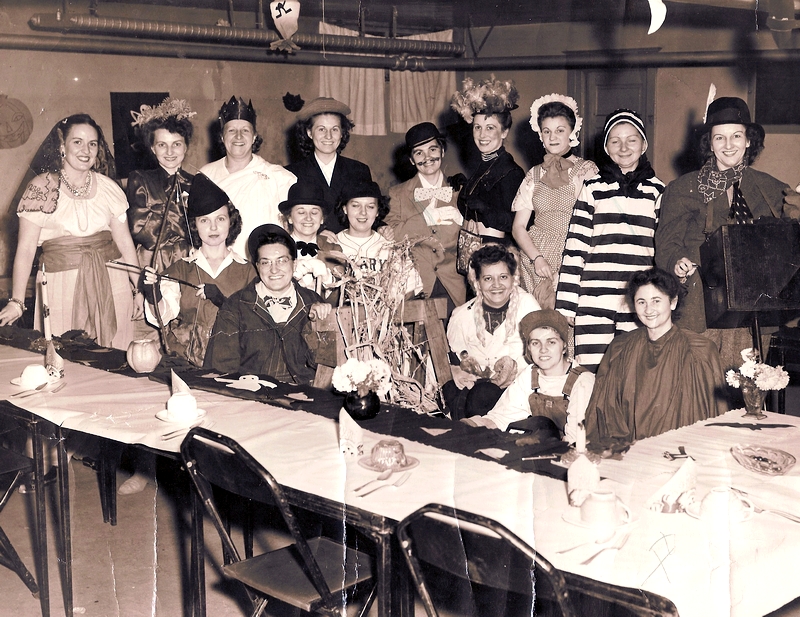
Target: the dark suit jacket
(345, 172)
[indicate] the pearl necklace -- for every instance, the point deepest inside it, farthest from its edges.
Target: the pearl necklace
(78, 192)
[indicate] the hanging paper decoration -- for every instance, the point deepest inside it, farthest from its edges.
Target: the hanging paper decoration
(658, 13)
(16, 122)
(285, 14)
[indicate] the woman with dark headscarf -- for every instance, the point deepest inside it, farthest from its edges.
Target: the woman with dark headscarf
(726, 190)
(75, 211)
(610, 237)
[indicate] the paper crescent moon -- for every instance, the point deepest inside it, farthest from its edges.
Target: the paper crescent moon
(658, 13)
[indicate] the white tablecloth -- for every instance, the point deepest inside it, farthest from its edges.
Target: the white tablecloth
(741, 569)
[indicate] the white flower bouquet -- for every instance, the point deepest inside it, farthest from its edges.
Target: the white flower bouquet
(757, 374)
(363, 376)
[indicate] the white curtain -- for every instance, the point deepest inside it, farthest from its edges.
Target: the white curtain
(361, 89)
(416, 97)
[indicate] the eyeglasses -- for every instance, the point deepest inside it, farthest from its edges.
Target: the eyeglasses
(280, 262)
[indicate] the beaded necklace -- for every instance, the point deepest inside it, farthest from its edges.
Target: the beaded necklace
(78, 192)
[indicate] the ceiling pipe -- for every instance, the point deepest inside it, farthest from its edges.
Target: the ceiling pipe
(160, 30)
(598, 60)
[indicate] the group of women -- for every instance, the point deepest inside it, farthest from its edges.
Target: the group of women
(566, 250)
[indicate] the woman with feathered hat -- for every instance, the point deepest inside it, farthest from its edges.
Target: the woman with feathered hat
(255, 186)
(486, 197)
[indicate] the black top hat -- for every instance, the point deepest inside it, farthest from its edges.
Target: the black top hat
(205, 197)
(422, 133)
(729, 110)
(272, 232)
(302, 193)
(236, 109)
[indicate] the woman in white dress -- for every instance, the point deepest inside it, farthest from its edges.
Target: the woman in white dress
(75, 211)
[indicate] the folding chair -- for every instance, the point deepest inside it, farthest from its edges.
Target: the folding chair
(488, 556)
(484, 552)
(308, 574)
(13, 468)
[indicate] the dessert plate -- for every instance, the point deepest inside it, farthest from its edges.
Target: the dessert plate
(366, 462)
(767, 461)
(165, 416)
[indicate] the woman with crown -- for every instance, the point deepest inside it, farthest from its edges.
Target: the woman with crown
(254, 186)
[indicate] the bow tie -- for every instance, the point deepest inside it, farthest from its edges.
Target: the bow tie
(307, 248)
(269, 301)
(443, 193)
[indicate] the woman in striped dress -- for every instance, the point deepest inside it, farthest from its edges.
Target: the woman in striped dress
(610, 237)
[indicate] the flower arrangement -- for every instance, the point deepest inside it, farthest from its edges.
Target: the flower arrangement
(753, 373)
(363, 376)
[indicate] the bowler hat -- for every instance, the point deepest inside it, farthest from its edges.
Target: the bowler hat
(363, 189)
(422, 133)
(302, 193)
(263, 232)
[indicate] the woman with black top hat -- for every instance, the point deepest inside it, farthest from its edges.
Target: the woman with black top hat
(726, 190)
(254, 186)
(424, 209)
(187, 313)
(487, 195)
(322, 132)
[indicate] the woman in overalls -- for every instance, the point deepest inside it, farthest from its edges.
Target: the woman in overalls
(553, 386)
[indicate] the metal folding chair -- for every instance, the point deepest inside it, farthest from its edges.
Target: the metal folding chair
(310, 574)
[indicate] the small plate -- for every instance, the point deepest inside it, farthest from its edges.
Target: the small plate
(50, 381)
(693, 510)
(366, 463)
(767, 461)
(164, 417)
(573, 517)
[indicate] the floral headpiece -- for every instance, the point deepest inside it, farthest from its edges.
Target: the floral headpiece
(490, 96)
(557, 98)
(178, 108)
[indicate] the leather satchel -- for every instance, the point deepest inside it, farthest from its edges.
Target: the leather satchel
(468, 243)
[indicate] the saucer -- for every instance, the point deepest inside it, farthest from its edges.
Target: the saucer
(50, 381)
(164, 416)
(693, 510)
(573, 517)
(366, 463)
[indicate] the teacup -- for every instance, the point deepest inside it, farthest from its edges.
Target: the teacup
(722, 504)
(603, 511)
(33, 376)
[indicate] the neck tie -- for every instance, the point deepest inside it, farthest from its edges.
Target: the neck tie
(740, 212)
(443, 193)
(309, 249)
(269, 301)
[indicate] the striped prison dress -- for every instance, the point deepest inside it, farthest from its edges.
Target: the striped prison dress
(610, 237)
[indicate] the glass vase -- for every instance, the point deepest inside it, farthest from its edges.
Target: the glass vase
(753, 401)
(362, 407)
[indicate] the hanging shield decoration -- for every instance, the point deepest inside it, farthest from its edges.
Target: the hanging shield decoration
(285, 14)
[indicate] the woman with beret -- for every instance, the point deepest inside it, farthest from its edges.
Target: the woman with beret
(322, 132)
(610, 237)
(726, 190)
(424, 209)
(486, 197)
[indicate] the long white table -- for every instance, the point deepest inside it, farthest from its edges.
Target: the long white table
(744, 569)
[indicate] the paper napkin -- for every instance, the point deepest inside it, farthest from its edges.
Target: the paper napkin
(351, 435)
(677, 492)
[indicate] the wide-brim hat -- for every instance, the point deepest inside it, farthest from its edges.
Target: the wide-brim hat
(205, 197)
(322, 105)
(729, 110)
(422, 133)
(262, 232)
(363, 189)
(544, 318)
(302, 193)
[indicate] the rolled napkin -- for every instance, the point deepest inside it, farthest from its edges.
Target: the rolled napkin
(583, 476)
(678, 492)
(351, 435)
